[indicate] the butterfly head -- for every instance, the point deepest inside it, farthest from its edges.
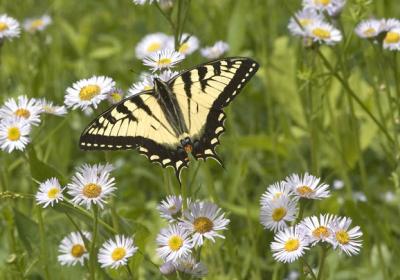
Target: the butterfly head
(187, 145)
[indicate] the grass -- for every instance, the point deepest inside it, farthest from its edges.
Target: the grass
(333, 112)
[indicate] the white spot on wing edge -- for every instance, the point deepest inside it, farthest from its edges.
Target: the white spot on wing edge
(154, 157)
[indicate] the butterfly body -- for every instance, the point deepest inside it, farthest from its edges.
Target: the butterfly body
(181, 116)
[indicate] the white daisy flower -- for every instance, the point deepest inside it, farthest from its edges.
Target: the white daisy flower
(275, 214)
(150, 44)
(174, 243)
(116, 253)
(49, 108)
(97, 168)
(317, 229)
(360, 196)
(191, 266)
(168, 268)
(298, 24)
(204, 220)
(322, 32)
(49, 192)
(391, 23)
(275, 191)
(146, 83)
(347, 240)
(88, 92)
(163, 3)
(215, 51)
(170, 208)
(338, 184)
(332, 7)
(289, 245)
(167, 75)
(73, 250)
(9, 27)
(370, 28)
(23, 107)
(91, 186)
(115, 95)
(308, 186)
(163, 59)
(188, 44)
(37, 24)
(392, 39)
(14, 134)
(389, 197)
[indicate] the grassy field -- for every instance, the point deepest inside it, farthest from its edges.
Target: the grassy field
(332, 111)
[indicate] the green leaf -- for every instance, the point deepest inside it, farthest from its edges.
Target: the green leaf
(41, 171)
(27, 230)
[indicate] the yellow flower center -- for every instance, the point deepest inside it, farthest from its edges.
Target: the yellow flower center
(175, 242)
(77, 250)
(3, 26)
(164, 61)
(203, 224)
(278, 214)
(292, 245)
(13, 134)
(183, 48)
(342, 237)
(304, 190)
(369, 32)
(148, 88)
(305, 21)
(321, 33)
(37, 24)
(155, 46)
(322, 2)
(91, 190)
(23, 113)
(321, 232)
(118, 254)
(392, 37)
(53, 193)
(88, 92)
(115, 96)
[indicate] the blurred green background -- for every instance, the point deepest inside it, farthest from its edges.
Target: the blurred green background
(294, 116)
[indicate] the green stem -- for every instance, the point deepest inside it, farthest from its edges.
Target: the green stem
(130, 274)
(322, 262)
(92, 253)
(309, 268)
(44, 256)
(354, 95)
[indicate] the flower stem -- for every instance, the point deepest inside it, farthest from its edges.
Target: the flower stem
(43, 248)
(322, 262)
(92, 253)
(309, 268)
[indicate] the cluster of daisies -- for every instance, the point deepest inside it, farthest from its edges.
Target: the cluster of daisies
(188, 229)
(384, 31)
(157, 51)
(18, 115)
(311, 23)
(280, 212)
(91, 184)
(10, 27)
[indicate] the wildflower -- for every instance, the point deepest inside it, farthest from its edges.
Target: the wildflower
(174, 243)
(50, 192)
(188, 44)
(308, 186)
(37, 24)
(331, 7)
(9, 27)
(370, 28)
(49, 108)
(360, 196)
(146, 83)
(73, 250)
(204, 220)
(322, 32)
(338, 184)
(275, 191)
(317, 229)
(191, 266)
(170, 208)
(150, 44)
(115, 95)
(167, 268)
(346, 240)
(302, 19)
(276, 213)
(391, 23)
(215, 51)
(91, 186)
(392, 39)
(23, 107)
(167, 75)
(163, 59)
(14, 134)
(116, 253)
(289, 245)
(88, 92)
